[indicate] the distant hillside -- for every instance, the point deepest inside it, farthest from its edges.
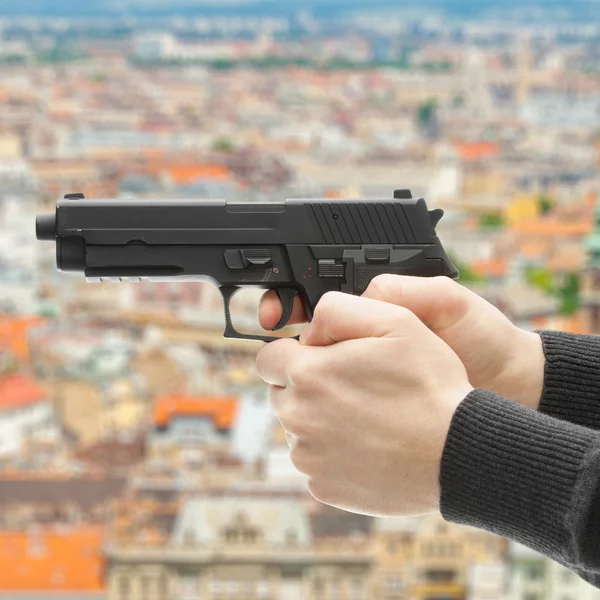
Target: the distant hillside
(578, 9)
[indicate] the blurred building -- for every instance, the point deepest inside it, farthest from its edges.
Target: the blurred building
(239, 547)
(429, 558)
(54, 497)
(192, 434)
(26, 415)
(535, 577)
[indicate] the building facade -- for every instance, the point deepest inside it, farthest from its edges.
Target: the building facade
(232, 548)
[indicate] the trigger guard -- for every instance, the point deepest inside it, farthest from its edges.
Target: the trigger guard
(286, 297)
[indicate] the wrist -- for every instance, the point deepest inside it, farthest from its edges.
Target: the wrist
(528, 365)
(522, 379)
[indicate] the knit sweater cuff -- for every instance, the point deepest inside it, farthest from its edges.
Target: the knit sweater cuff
(511, 471)
(572, 378)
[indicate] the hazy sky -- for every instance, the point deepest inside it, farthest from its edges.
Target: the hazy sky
(583, 8)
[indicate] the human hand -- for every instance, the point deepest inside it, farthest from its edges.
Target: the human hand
(498, 355)
(367, 396)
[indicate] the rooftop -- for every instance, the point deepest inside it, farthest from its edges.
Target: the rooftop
(187, 174)
(222, 410)
(52, 560)
(13, 334)
(476, 150)
(18, 391)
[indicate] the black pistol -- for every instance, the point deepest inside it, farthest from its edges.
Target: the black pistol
(300, 247)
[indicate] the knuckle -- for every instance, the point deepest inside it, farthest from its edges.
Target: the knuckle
(404, 314)
(327, 306)
(288, 414)
(451, 294)
(445, 285)
(301, 373)
(380, 286)
(295, 418)
(301, 459)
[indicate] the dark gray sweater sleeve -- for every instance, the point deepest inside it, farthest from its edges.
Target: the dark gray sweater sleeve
(526, 476)
(572, 378)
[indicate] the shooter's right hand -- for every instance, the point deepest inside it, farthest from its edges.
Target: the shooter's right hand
(497, 355)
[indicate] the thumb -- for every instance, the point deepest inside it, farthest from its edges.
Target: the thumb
(340, 317)
(438, 302)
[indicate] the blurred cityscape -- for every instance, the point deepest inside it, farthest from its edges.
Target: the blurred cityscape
(139, 458)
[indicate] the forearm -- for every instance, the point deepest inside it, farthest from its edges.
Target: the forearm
(526, 476)
(571, 378)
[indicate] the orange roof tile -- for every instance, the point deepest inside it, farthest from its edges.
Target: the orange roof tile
(554, 228)
(494, 267)
(13, 334)
(567, 263)
(221, 410)
(185, 174)
(574, 324)
(52, 561)
(476, 150)
(19, 390)
(533, 249)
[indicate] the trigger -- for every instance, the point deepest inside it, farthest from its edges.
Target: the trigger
(286, 297)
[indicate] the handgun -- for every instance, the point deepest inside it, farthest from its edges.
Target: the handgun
(299, 247)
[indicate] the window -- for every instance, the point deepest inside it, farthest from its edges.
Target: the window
(145, 585)
(291, 537)
(231, 535)
(189, 537)
(249, 536)
(263, 590)
(439, 576)
(393, 583)
(218, 589)
(356, 589)
(319, 588)
(163, 585)
(124, 587)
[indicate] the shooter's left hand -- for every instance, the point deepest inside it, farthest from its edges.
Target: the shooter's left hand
(367, 396)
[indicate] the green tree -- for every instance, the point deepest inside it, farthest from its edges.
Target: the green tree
(545, 204)
(569, 294)
(426, 113)
(223, 144)
(492, 220)
(98, 77)
(541, 278)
